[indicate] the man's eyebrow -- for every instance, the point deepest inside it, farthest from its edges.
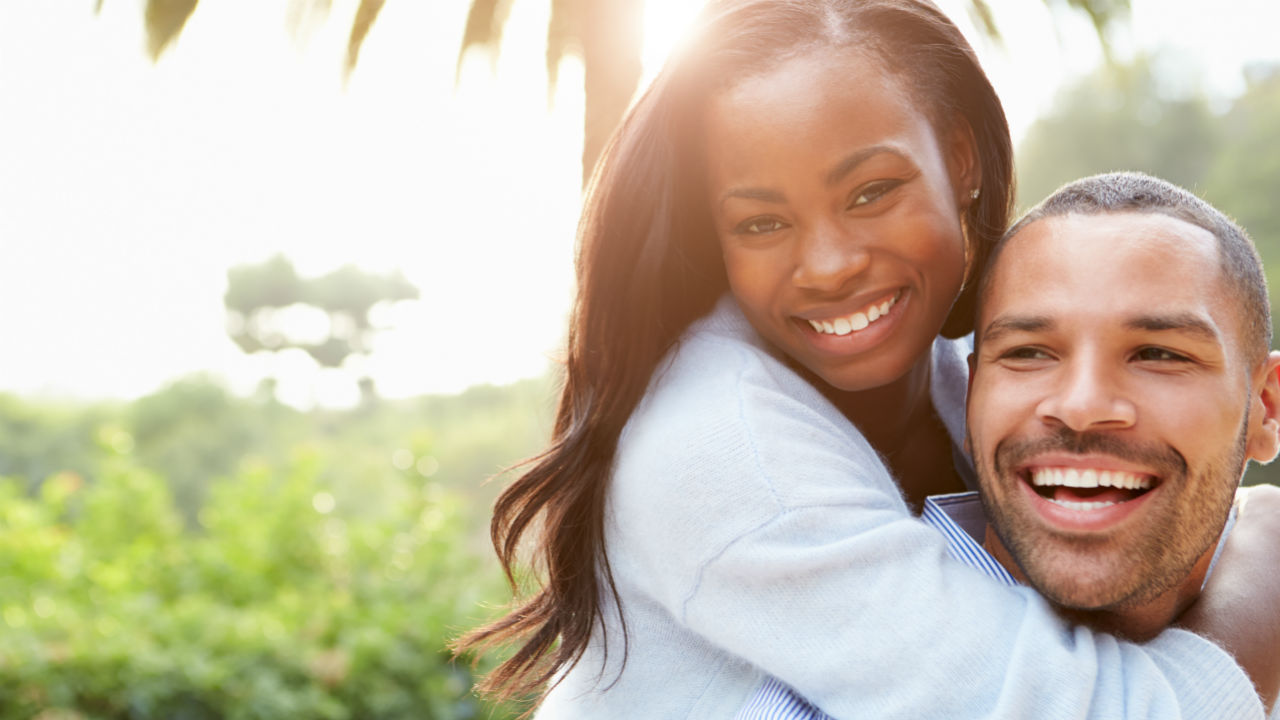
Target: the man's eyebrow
(1005, 324)
(1184, 322)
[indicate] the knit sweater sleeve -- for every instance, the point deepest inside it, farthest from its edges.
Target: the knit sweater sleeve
(763, 522)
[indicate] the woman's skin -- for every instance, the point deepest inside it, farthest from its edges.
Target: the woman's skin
(834, 199)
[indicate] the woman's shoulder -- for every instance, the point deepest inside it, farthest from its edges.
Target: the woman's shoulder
(722, 409)
(722, 374)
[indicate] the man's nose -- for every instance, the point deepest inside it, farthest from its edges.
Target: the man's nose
(828, 257)
(1088, 395)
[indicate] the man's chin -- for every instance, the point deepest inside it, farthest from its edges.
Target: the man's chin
(1085, 596)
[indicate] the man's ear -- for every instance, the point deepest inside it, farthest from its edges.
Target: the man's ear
(1264, 411)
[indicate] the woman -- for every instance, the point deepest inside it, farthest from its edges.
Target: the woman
(782, 227)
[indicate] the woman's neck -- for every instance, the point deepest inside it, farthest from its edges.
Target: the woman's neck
(887, 415)
(899, 421)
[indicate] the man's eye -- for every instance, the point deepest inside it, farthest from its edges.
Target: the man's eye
(872, 191)
(1159, 354)
(758, 226)
(1025, 353)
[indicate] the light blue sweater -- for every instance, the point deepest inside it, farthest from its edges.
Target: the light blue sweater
(753, 531)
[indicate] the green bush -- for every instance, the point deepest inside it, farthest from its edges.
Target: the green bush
(278, 605)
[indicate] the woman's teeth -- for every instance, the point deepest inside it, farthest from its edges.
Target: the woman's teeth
(855, 322)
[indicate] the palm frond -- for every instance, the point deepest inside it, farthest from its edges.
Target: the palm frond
(985, 20)
(1103, 14)
(165, 20)
(302, 16)
(366, 14)
(564, 36)
(485, 22)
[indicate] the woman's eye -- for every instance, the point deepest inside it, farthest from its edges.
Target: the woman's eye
(872, 191)
(758, 226)
(1159, 354)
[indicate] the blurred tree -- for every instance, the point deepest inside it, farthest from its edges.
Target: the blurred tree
(265, 301)
(1245, 182)
(1246, 172)
(39, 439)
(606, 33)
(193, 431)
(1118, 118)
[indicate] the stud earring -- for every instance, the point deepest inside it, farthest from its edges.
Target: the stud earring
(974, 193)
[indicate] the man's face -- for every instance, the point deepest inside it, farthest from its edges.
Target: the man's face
(1112, 405)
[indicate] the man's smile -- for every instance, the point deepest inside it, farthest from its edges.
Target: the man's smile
(1086, 488)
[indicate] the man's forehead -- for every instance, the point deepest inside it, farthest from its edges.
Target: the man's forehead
(1113, 264)
(1126, 234)
(1076, 248)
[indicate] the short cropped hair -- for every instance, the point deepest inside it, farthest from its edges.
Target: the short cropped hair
(1140, 193)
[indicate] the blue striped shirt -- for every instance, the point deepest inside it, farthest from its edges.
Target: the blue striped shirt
(960, 518)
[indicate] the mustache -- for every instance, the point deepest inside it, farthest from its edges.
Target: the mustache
(1163, 459)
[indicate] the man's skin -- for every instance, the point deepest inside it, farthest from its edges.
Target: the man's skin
(1110, 350)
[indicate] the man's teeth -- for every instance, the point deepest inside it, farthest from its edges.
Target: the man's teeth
(855, 322)
(1073, 477)
(1070, 505)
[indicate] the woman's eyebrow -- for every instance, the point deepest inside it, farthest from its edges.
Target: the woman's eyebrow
(856, 158)
(838, 173)
(751, 193)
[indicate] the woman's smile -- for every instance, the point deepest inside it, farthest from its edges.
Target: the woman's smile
(846, 335)
(856, 321)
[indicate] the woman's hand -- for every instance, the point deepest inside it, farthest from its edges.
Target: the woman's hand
(1240, 606)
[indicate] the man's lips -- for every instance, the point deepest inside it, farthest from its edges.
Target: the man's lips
(1085, 496)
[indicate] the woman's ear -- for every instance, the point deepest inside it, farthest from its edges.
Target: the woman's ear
(963, 163)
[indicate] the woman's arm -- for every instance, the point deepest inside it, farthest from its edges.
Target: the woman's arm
(1238, 608)
(747, 512)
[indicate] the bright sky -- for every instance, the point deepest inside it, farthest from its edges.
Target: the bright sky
(127, 189)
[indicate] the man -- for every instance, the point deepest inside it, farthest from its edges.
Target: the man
(1121, 381)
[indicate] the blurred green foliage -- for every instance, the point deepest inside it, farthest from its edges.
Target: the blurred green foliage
(1150, 116)
(199, 555)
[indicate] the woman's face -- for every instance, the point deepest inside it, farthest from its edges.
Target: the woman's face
(838, 213)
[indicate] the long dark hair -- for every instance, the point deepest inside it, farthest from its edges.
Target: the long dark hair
(649, 264)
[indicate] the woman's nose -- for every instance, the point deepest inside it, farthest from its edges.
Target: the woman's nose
(828, 258)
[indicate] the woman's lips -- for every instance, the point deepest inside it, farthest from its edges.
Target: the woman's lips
(855, 321)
